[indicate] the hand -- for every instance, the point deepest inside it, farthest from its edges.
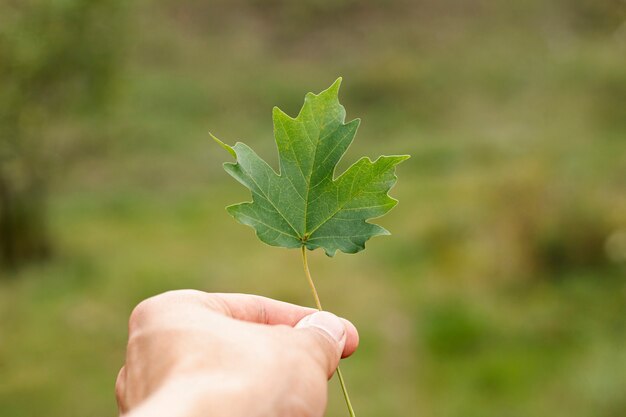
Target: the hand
(192, 353)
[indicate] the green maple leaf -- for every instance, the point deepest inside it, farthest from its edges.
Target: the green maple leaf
(304, 204)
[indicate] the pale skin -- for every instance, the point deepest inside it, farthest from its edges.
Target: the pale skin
(192, 353)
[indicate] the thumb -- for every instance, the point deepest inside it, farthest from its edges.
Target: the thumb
(327, 338)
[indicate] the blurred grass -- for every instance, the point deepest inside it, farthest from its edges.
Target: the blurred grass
(496, 294)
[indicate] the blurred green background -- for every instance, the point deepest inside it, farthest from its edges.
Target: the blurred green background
(502, 290)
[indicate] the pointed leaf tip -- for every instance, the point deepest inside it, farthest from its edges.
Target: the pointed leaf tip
(335, 86)
(228, 148)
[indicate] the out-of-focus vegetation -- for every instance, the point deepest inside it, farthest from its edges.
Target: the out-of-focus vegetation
(57, 60)
(502, 290)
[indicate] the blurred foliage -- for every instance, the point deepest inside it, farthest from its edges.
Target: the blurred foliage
(502, 290)
(57, 60)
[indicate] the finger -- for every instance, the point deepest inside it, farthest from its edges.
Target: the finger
(246, 307)
(251, 308)
(326, 336)
(352, 339)
(257, 309)
(265, 310)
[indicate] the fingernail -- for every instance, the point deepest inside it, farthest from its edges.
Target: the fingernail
(327, 322)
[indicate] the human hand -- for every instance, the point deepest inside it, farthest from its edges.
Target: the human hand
(192, 353)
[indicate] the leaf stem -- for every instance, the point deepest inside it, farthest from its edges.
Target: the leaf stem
(342, 382)
(310, 280)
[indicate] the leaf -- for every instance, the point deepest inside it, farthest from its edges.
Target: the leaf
(304, 204)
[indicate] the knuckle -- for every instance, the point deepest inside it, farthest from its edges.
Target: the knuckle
(153, 306)
(120, 388)
(141, 313)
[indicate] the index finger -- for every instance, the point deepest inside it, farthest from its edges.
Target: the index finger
(263, 310)
(244, 307)
(258, 309)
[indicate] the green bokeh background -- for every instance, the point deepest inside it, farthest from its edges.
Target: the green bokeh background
(501, 291)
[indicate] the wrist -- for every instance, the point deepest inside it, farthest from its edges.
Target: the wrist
(198, 396)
